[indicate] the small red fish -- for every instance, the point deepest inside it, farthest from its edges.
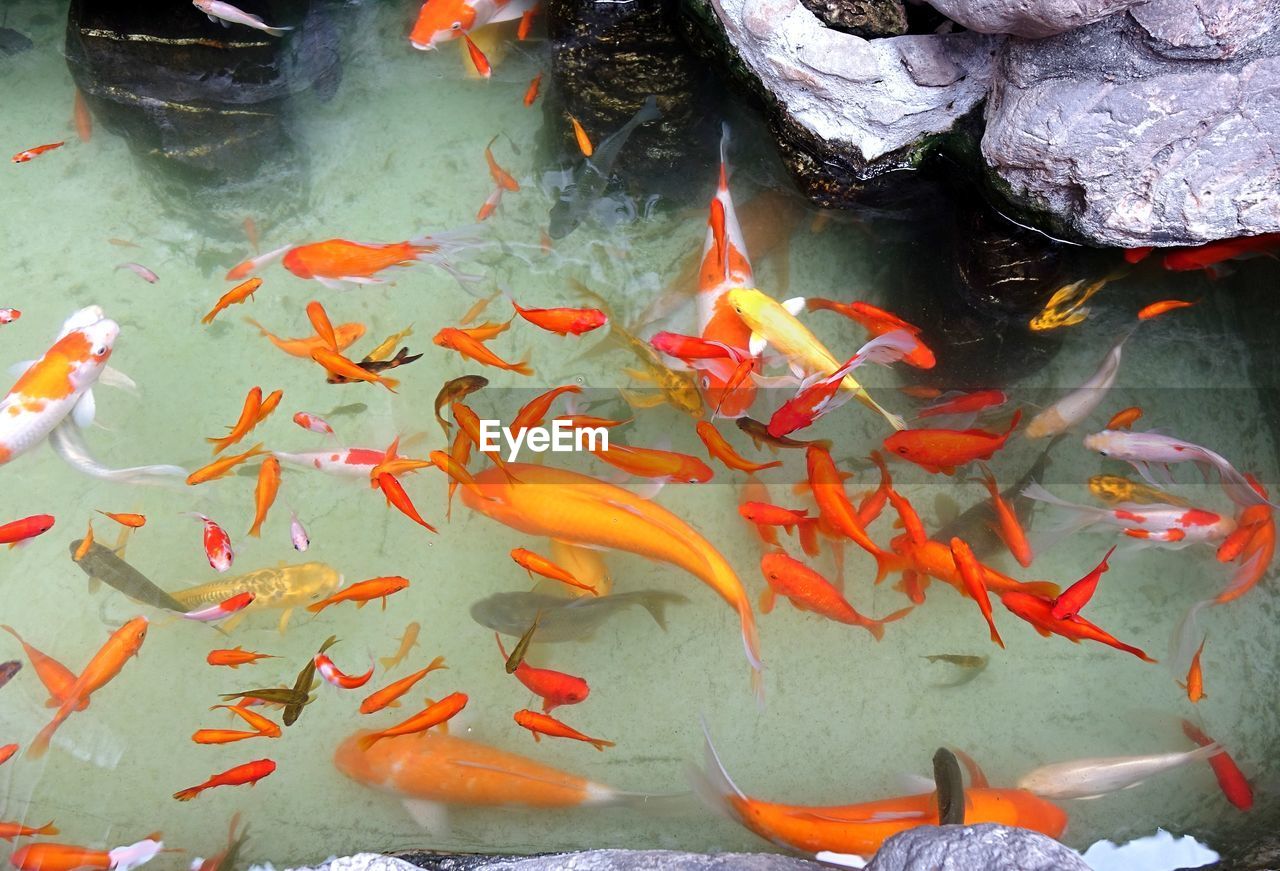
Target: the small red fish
(531, 93)
(477, 57)
(555, 688)
(541, 724)
(9, 315)
(400, 499)
(1125, 418)
(537, 564)
(24, 156)
(388, 695)
(501, 177)
(810, 591)
(1010, 530)
(966, 403)
(1075, 597)
(1211, 254)
(250, 773)
(1137, 255)
(877, 322)
(17, 531)
(1235, 786)
(364, 592)
(235, 657)
(217, 544)
(6, 752)
(972, 575)
(337, 677)
(563, 321)
(721, 450)
(1036, 611)
(1195, 678)
(1158, 308)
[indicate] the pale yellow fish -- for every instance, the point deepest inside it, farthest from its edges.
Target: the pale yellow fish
(583, 563)
(388, 346)
(282, 588)
(775, 323)
(493, 40)
(408, 641)
(1066, 307)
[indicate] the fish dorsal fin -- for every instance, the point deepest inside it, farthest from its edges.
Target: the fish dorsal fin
(794, 306)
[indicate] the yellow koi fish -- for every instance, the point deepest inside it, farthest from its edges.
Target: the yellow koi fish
(282, 587)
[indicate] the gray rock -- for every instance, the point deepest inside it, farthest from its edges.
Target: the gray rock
(607, 860)
(1206, 29)
(362, 862)
(963, 848)
(1030, 18)
(865, 18)
(1111, 142)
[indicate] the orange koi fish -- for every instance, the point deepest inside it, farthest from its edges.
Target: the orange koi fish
(563, 321)
(555, 688)
(56, 677)
(535, 410)
(1037, 611)
(24, 156)
(942, 450)
(435, 714)
(1158, 308)
(719, 448)
(810, 591)
(1235, 786)
(1125, 418)
(1195, 678)
(1078, 594)
(877, 322)
(346, 335)
(972, 575)
(221, 468)
(336, 262)
(531, 93)
(244, 425)
(122, 646)
(544, 724)
(534, 563)
(364, 592)
(457, 340)
(133, 521)
(340, 367)
(1011, 532)
(654, 463)
(9, 831)
(400, 499)
(388, 696)
(335, 676)
(250, 773)
(264, 494)
(235, 657)
(234, 296)
(580, 134)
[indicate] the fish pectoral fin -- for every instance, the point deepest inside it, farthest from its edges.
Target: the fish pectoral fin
(283, 626)
(794, 306)
(638, 400)
(112, 377)
(756, 344)
(431, 815)
(85, 410)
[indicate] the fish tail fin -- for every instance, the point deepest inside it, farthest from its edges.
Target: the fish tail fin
(712, 782)
(995, 636)
(208, 319)
(600, 744)
(40, 744)
(255, 531)
(318, 607)
(523, 367)
(262, 331)
(189, 793)
(220, 444)
(276, 31)
(387, 662)
(886, 563)
(875, 627)
(47, 829)
(389, 383)
(656, 604)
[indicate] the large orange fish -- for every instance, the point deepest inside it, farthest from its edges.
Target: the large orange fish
(456, 340)
(64, 857)
(346, 334)
(56, 677)
(336, 262)
(943, 450)
(1037, 611)
(264, 494)
(810, 591)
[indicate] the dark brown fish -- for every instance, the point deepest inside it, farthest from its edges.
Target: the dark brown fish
(950, 784)
(8, 670)
(402, 358)
(103, 564)
(759, 433)
(274, 695)
(455, 391)
(522, 646)
(303, 685)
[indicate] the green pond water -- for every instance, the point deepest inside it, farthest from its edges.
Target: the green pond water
(398, 152)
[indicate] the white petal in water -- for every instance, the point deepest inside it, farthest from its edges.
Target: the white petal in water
(1158, 852)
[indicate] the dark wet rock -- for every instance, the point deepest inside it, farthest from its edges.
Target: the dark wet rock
(13, 42)
(1003, 266)
(1158, 150)
(846, 112)
(865, 18)
(609, 860)
(1030, 18)
(963, 848)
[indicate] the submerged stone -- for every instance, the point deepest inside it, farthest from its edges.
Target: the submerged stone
(988, 846)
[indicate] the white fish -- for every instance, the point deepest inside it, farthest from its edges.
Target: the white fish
(1092, 778)
(135, 855)
(1176, 525)
(298, 534)
(1143, 450)
(141, 271)
(1072, 409)
(9, 315)
(68, 443)
(228, 15)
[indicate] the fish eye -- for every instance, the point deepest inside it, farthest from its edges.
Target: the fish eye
(457, 25)
(100, 351)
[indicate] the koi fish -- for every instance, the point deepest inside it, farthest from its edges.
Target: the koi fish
(774, 323)
(279, 587)
(58, 384)
(555, 688)
(250, 773)
(435, 714)
(1072, 409)
(24, 156)
(226, 14)
(943, 450)
(1158, 308)
(9, 831)
(1235, 786)
(543, 724)
(1115, 489)
(1173, 524)
(312, 423)
(965, 403)
(9, 315)
(336, 262)
(563, 321)
(442, 20)
(254, 264)
(235, 296)
(471, 349)
(235, 657)
(1010, 528)
(15, 532)
(264, 493)
(719, 448)
(221, 610)
(345, 334)
(809, 591)
(1075, 597)
(1209, 255)
(221, 468)
(535, 563)
(877, 322)
(1091, 778)
(338, 678)
(388, 695)
(217, 544)
(1038, 612)
(1144, 450)
(408, 641)
(139, 270)
(654, 463)
(975, 583)
(122, 646)
(363, 592)
(62, 857)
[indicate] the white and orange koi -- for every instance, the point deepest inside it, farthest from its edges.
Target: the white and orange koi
(440, 21)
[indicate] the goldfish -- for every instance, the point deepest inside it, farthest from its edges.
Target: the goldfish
(533, 412)
(282, 587)
(435, 714)
(456, 340)
(481, 63)
(500, 176)
(488, 330)
(1137, 255)
(1158, 308)
(110, 659)
(555, 688)
(943, 450)
(1114, 489)
(834, 506)
(1235, 786)
(934, 559)
(1194, 684)
(218, 10)
(543, 724)
(653, 463)
(264, 494)
(532, 562)
(9, 315)
(862, 828)
(1174, 524)
(1091, 778)
(16, 532)
(563, 321)
(1125, 418)
(217, 544)
(312, 423)
(1075, 597)
(455, 390)
(132, 521)
(400, 499)
(388, 695)
(249, 772)
(442, 20)
(345, 334)
(584, 511)
(253, 264)
(1067, 305)
(62, 857)
(490, 204)
(580, 135)
(1246, 525)
(338, 678)
(1143, 450)
(531, 93)
(222, 736)
(139, 270)
(719, 448)
(974, 583)
(1209, 255)
(692, 349)
(221, 610)
(1038, 612)
(221, 468)
(322, 325)
(24, 156)
(340, 367)
(877, 322)
(235, 657)
(759, 435)
(408, 641)
(82, 117)
(809, 591)
(965, 403)
(774, 323)
(336, 262)
(1255, 560)
(9, 831)
(364, 592)
(6, 752)
(59, 384)
(764, 514)
(56, 677)
(1010, 529)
